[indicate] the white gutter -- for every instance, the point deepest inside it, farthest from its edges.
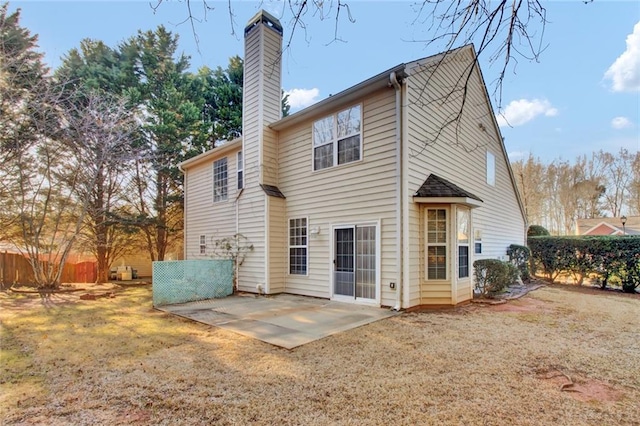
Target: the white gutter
(184, 212)
(237, 203)
(399, 196)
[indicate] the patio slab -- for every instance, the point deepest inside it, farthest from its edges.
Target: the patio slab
(283, 320)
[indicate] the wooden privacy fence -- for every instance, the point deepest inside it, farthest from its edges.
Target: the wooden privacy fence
(16, 269)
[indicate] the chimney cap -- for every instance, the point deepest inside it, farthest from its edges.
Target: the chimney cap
(264, 17)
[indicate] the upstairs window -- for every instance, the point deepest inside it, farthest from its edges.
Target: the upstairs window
(337, 139)
(240, 171)
(220, 180)
(491, 169)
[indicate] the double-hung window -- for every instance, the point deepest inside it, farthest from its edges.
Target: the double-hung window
(436, 244)
(203, 244)
(463, 225)
(220, 180)
(240, 167)
(337, 139)
(298, 246)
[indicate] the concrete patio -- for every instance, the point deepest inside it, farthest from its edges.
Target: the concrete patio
(282, 320)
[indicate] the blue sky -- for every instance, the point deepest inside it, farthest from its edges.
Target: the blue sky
(582, 96)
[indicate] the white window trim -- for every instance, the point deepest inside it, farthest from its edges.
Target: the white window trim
(477, 239)
(334, 140)
(239, 169)
(289, 246)
(359, 301)
(203, 244)
(446, 244)
(226, 194)
(467, 244)
(491, 168)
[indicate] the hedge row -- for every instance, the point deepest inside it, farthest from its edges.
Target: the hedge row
(602, 256)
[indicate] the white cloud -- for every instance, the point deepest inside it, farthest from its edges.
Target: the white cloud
(522, 111)
(621, 123)
(301, 98)
(625, 71)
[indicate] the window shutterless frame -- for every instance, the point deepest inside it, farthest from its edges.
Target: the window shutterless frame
(220, 180)
(337, 139)
(299, 246)
(240, 170)
(436, 243)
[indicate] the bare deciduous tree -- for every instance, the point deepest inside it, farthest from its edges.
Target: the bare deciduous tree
(618, 175)
(502, 32)
(99, 131)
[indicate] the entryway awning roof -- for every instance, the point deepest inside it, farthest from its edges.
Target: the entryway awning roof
(436, 190)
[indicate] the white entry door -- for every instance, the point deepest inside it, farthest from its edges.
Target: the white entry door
(355, 262)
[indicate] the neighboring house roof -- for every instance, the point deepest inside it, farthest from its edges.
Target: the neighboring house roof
(438, 190)
(608, 226)
(272, 191)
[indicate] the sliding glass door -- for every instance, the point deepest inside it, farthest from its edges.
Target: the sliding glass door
(355, 262)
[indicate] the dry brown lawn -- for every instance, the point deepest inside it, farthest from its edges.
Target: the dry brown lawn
(117, 361)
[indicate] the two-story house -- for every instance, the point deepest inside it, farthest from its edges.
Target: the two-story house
(381, 194)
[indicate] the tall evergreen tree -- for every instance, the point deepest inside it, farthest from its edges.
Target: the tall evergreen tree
(170, 111)
(21, 78)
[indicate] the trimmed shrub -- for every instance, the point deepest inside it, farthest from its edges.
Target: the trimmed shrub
(493, 276)
(519, 257)
(602, 256)
(537, 231)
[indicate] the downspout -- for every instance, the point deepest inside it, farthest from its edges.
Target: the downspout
(237, 203)
(184, 212)
(393, 78)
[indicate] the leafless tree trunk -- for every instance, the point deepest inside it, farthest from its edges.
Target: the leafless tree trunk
(618, 175)
(99, 132)
(634, 187)
(530, 178)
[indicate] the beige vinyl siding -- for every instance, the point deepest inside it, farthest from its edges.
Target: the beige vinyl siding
(252, 227)
(465, 291)
(271, 99)
(353, 193)
(278, 248)
(202, 215)
(459, 154)
(261, 106)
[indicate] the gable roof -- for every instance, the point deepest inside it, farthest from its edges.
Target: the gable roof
(379, 81)
(608, 226)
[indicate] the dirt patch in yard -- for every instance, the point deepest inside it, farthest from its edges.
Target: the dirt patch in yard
(521, 305)
(581, 388)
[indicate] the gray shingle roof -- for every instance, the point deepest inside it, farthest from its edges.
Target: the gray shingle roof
(272, 191)
(436, 186)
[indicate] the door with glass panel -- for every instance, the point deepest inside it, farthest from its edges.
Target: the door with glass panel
(354, 274)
